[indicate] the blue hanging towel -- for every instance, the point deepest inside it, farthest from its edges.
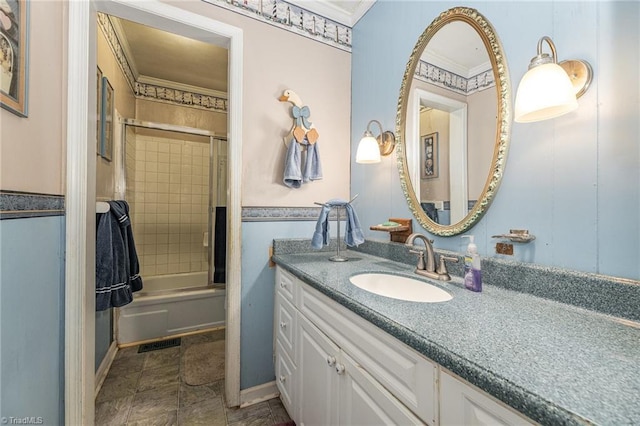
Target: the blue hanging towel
(353, 233)
(312, 166)
(292, 168)
(321, 235)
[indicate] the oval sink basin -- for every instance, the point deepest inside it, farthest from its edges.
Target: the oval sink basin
(397, 287)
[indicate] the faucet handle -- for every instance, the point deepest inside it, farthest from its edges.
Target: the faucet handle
(442, 267)
(421, 263)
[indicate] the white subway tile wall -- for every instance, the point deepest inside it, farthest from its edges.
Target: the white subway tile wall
(130, 169)
(169, 203)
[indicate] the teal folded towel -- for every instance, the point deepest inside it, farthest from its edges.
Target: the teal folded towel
(390, 223)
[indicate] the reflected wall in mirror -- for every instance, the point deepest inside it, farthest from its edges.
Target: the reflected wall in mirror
(456, 86)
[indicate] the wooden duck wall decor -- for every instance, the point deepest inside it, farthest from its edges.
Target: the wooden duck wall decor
(302, 125)
(302, 134)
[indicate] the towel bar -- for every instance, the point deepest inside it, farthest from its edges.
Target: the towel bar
(102, 207)
(338, 257)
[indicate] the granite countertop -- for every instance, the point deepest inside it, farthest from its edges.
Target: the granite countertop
(553, 362)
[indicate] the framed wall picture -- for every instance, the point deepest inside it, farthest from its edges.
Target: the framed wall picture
(106, 119)
(14, 55)
(99, 111)
(429, 156)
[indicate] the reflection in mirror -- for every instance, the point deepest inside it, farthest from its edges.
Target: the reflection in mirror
(453, 122)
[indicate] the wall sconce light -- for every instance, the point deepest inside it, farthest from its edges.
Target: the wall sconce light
(371, 148)
(550, 89)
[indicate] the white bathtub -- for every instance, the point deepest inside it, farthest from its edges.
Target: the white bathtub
(170, 305)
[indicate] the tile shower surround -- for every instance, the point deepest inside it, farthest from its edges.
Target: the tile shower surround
(169, 192)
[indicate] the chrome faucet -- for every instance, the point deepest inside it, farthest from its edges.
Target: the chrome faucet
(427, 262)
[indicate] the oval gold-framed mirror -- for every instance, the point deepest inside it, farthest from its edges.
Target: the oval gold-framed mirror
(453, 123)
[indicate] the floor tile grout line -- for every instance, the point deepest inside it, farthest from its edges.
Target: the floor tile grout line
(180, 384)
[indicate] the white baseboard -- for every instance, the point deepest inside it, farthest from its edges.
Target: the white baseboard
(105, 365)
(258, 394)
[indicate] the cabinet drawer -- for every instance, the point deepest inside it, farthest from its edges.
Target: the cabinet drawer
(404, 372)
(286, 284)
(285, 378)
(285, 325)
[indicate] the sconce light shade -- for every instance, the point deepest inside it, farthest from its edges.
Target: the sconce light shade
(544, 92)
(549, 90)
(368, 150)
(371, 148)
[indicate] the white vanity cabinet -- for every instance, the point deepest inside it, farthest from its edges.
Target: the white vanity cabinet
(335, 368)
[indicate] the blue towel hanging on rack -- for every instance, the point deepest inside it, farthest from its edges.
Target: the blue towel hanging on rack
(353, 233)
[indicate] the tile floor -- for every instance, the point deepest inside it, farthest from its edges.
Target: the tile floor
(147, 389)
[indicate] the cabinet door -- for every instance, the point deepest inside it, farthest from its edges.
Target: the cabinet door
(317, 378)
(462, 404)
(364, 401)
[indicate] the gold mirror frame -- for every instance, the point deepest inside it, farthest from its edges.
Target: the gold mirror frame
(503, 130)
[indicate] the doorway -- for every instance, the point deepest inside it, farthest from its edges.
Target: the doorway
(80, 190)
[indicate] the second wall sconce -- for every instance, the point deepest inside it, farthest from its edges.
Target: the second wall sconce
(371, 148)
(550, 89)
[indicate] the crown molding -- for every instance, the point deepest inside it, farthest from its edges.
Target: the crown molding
(453, 82)
(124, 45)
(292, 18)
(104, 23)
(480, 69)
(180, 97)
(145, 79)
(335, 13)
(445, 63)
(144, 87)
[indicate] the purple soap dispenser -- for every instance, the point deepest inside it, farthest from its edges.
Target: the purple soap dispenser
(472, 269)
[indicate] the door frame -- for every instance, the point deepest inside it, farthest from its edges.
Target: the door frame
(80, 188)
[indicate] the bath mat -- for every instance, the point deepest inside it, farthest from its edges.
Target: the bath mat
(162, 344)
(203, 363)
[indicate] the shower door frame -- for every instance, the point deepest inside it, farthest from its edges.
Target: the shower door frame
(80, 207)
(122, 171)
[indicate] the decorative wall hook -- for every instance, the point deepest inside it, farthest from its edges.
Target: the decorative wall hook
(302, 125)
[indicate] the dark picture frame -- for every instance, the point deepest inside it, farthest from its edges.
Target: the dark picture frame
(99, 111)
(107, 120)
(14, 56)
(429, 166)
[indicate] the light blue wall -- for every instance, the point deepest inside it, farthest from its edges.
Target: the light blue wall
(573, 181)
(32, 318)
(104, 334)
(256, 334)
